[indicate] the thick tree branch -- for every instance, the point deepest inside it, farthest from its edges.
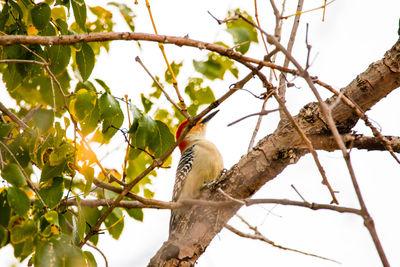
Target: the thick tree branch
(136, 36)
(272, 155)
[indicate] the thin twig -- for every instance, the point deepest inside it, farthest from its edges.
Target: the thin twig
(13, 117)
(292, 38)
(261, 113)
(30, 114)
(313, 9)
(161, 46)
(309, 146)
(362, 115)
(161, 87)
(298, 193)
(259, 120)
(231, 198)
(145, 203)
(262, 35)
(101, 253)
(308, 49)
(25, 61)
(258, 236)
(272, 243)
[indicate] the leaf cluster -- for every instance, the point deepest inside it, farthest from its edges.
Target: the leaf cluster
(51, 161)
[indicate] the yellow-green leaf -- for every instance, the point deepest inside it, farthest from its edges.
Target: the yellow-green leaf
(41, 15)
(79, 8)
(83, 103)
(85, 61)
(59, 57)
(18, 200)
(13, 174)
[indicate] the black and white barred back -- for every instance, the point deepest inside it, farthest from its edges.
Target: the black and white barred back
(184, 167)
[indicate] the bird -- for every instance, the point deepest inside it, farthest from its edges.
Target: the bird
(200, 163)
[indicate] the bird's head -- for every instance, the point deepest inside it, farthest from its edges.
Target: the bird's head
(199, 130)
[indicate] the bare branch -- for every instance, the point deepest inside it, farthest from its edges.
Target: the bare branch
(368, 221)
(262, 113)
(184, 113)
(258, 236)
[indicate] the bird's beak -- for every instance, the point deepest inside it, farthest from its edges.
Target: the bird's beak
(208, 117)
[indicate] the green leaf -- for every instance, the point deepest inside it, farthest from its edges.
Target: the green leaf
(104, 85)
(111, 115)
(147, 104)
(241, 31)
(126, 13)
(114, 222)
(58, 251)
(18, 200)
(12, 78)
(4, 15)
(61, 154)
(17, 11)
(52, 191)
(59, 57)
(20, 233)
(52, 217)
(5, 210)
(85, 61)
(148, 133)
(58, 12)
(43, 119)
(49, 172)
(88, 172)
(90, 123)
(148, 193)
(157, 92)
(79, 8)
(92, 215)
(240, 36)
(49, 30)
(192, 109)
(41, 15)
(215, 66)
(46, 91)
(175, 68)
(91, 261)
(137, 164)
(136, 214)
(13, 174)
(82, 104)
(198, 94)
(88, 85)
(19, 147)
(24, 249)
(167, 139)
(62, 26)
(5, 129)
(81, 223)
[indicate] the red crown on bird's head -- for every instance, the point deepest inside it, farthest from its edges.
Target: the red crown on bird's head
(200, 124)
(183, 144)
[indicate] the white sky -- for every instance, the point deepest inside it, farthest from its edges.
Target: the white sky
(354, 34)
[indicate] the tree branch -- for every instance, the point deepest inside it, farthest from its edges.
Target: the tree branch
(272, 155)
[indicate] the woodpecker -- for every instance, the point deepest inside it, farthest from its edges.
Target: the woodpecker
(200, 162)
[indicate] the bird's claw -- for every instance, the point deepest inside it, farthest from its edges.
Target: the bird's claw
(212, 184)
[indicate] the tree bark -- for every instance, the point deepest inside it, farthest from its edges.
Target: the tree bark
(272, 155)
